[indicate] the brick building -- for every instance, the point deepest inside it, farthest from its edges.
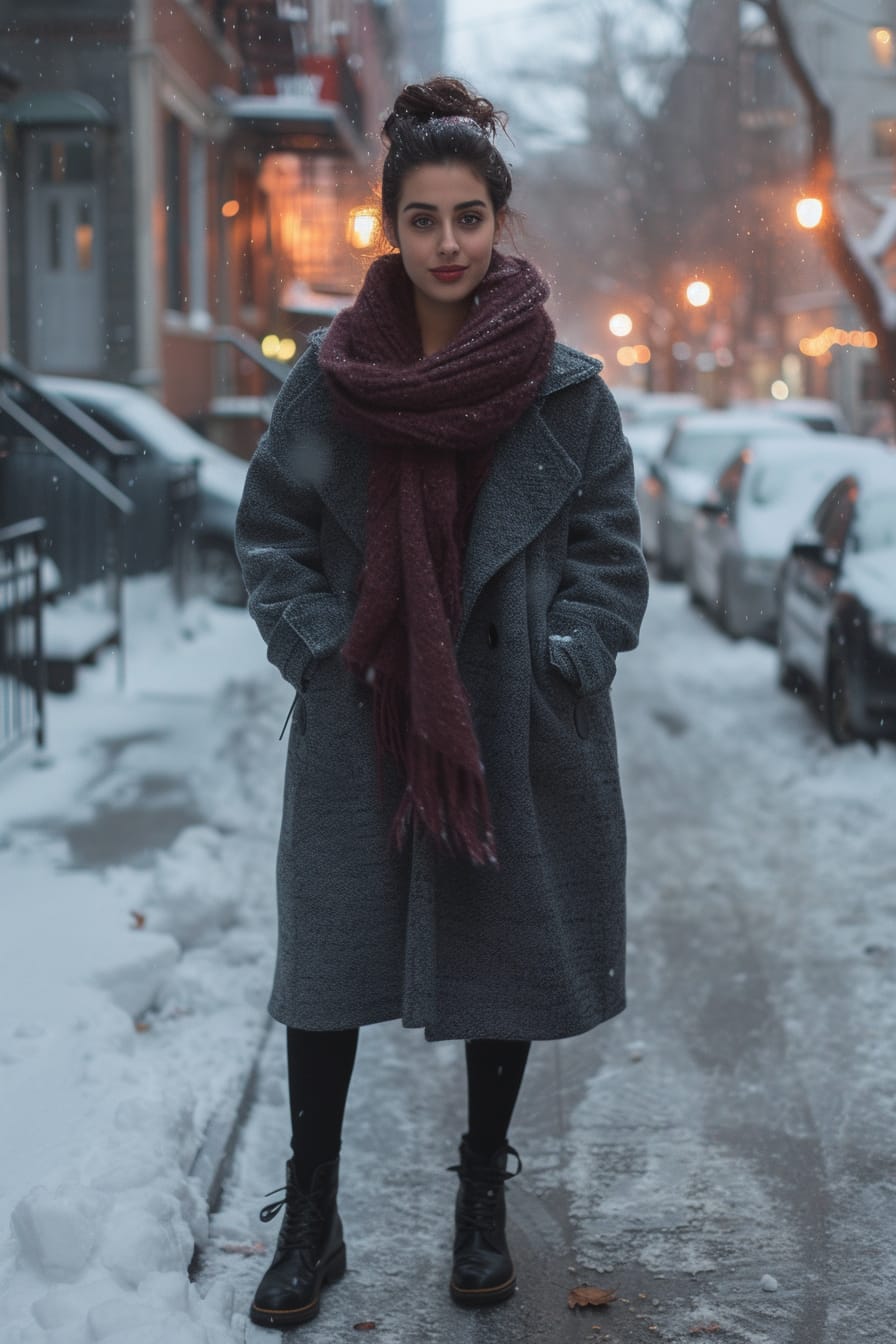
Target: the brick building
(177, 169)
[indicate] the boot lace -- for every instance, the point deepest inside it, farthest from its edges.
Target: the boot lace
(481, 1185)
(303, 1221)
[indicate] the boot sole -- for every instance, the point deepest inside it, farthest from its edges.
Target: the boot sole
(483, 1297)
(286, 1319)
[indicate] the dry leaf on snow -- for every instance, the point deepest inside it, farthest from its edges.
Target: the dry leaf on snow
(138, 918)
(365, 1325)
(583, 1296)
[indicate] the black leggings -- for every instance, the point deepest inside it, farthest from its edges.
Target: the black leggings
(320, 1067)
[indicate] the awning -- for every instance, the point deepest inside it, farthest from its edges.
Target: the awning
(58, 107)
(277, 123)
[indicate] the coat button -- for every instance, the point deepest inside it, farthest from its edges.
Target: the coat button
(493, 636)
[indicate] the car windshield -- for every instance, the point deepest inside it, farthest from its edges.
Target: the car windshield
(875, 525)
(704, 450)
(770, 482)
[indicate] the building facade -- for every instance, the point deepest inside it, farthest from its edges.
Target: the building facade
(176, 170)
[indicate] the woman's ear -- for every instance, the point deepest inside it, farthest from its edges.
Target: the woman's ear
(500, 222)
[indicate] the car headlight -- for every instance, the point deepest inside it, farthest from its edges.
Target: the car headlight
(883, 634)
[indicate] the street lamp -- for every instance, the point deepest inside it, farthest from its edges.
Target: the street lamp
(621, 324)
(882, 44)
(698, 293)
(361, 229)
(809, 212)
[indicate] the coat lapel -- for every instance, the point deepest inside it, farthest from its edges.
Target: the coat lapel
(531, 479)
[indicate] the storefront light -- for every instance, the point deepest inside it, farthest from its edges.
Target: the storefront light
(883, 46)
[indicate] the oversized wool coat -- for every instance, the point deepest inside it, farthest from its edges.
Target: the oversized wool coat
(533, 948)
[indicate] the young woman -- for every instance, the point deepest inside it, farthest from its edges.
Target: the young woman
(441, 549)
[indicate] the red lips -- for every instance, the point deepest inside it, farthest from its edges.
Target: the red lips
(448, 273)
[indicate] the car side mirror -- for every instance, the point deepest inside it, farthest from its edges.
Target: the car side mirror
(815, 551)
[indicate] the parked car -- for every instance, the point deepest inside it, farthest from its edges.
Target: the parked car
(825, 417)
(647, 443)
(163, 441)
(837, 619)
(661, 409)
(741, 533)
(698, 448)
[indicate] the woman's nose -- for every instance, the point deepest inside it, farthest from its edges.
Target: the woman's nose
(448, 243)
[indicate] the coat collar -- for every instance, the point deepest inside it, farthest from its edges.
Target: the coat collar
(532, 477)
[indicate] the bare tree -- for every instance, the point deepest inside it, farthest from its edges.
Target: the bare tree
(856, 264)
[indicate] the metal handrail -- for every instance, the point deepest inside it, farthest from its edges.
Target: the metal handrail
(26, 662)
(35, 430)
(93, 436)
(249, 347)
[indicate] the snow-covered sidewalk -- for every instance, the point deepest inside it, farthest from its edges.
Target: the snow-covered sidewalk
(136, 936)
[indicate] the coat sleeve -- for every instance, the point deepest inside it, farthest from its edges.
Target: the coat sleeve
(597, 610)
(278, 530)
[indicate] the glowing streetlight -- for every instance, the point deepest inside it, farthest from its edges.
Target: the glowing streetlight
(882, 45)
(698, 293)
(809, 212)
(621, 324)
(362, 226)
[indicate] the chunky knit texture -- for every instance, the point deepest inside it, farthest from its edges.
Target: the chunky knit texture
(433, 423)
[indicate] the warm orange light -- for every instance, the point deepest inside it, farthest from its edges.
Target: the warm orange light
(230, 208)
(882, 45)
(698, 293)
(362, 226)
(820, 345)
(809, 212)
(626, 356)
(642, 354)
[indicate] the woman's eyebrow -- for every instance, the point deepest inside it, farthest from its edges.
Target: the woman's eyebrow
(422, 205)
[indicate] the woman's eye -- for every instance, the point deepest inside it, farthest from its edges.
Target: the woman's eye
(471, 220)
(421, 221)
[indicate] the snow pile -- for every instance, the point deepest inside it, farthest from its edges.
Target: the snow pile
(137, 935)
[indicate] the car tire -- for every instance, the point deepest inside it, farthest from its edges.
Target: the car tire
(837, 707)
(219, 576)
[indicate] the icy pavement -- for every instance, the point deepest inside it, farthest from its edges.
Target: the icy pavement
(720, 1155)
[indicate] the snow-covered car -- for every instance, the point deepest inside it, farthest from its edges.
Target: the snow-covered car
(647, 443)
(697, 450)
(660, 409)
(837, 614)
(163, 441)
(742, 531)
(825, 417)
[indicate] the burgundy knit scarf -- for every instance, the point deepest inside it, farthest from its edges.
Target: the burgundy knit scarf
(432, 423)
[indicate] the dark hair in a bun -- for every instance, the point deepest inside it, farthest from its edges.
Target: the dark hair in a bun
(442, 121)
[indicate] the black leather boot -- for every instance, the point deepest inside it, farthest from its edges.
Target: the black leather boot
(310, 1250)
(483, 1271)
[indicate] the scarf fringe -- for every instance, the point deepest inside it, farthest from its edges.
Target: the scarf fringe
(450, 802)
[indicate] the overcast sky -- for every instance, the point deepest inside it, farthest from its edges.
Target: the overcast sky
(535, 49)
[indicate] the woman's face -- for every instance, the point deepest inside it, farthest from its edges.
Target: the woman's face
(446, 229)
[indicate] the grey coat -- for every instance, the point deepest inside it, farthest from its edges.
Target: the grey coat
(535, 947)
